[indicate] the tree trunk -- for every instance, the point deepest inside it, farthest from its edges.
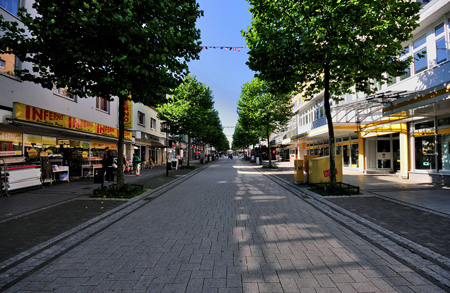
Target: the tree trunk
(120, 173)
(326, 103)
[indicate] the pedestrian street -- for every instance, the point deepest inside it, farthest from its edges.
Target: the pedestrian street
(228, 228)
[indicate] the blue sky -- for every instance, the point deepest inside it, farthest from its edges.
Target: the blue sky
(223, 71)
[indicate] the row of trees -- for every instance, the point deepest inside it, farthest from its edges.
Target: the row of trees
(332, 46)
(190, 110)
(260, 113)
(136, 49)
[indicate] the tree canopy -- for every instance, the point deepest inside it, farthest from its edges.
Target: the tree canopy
(328, 45)
(135, 49)
(262, 111)
(244, 137)
(190, 110)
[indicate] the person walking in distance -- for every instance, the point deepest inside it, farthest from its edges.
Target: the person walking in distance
(109, 165)
(136, 165)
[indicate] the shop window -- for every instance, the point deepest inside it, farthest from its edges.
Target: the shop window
(152, 123)
(441, 50)
(424, 125)
(102, 104)
(12, 6)
(425, 153)
(383, 146)
(141, 118)
(420, 54)
(354, 155)
(346, 155)
(445, 152)
(444, 121)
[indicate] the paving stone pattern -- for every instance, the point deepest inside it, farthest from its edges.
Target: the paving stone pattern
(422, 227)
(226, 229)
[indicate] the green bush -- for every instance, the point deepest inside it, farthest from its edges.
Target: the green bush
(332, 189)
(111, 191)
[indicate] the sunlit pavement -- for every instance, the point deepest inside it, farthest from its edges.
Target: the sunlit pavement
(227, 228)
(431, 196)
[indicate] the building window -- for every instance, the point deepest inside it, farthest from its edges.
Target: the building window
(141, 118)
(12, 6)
(445, 152)
(441, 50)
(65, 93)
(425, 153)
(8, 63)
(102, 104)
(152, 123)
(420, 54)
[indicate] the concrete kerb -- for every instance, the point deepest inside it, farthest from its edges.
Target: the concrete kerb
(429, 264)
(23, 264)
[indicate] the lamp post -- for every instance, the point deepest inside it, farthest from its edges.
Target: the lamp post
(165, 127)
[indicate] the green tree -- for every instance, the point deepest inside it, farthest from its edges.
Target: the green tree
(243, 138)
(190, 110)
(329, 46)
(262, 110)
(135, 49)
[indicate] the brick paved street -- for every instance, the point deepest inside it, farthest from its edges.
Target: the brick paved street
(226, 229)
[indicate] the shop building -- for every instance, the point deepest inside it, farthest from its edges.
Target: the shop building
(149, 142)
(404, 127)
(53, 128)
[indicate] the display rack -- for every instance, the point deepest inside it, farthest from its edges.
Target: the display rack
(89, 166)
(17, 174)
(61, 173)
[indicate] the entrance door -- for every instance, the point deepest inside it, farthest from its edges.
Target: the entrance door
(396, 154)
(384, 154)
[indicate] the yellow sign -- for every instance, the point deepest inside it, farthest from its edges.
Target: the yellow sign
(43, 154)
(128, 114)
(37, 115)
(84, 154)
(81, 125)
(10, 136)
(46, 117)
(32, 153)
(101, 145)
(319, 169)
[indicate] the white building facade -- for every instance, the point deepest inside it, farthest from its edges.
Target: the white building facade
(405, 127)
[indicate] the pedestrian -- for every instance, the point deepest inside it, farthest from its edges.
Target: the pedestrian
(136, 165)
(109, 160)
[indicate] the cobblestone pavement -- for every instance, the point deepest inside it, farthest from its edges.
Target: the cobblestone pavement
(226, 229)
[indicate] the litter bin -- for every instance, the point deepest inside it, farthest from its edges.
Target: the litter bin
(98, 175)
(298, 172)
